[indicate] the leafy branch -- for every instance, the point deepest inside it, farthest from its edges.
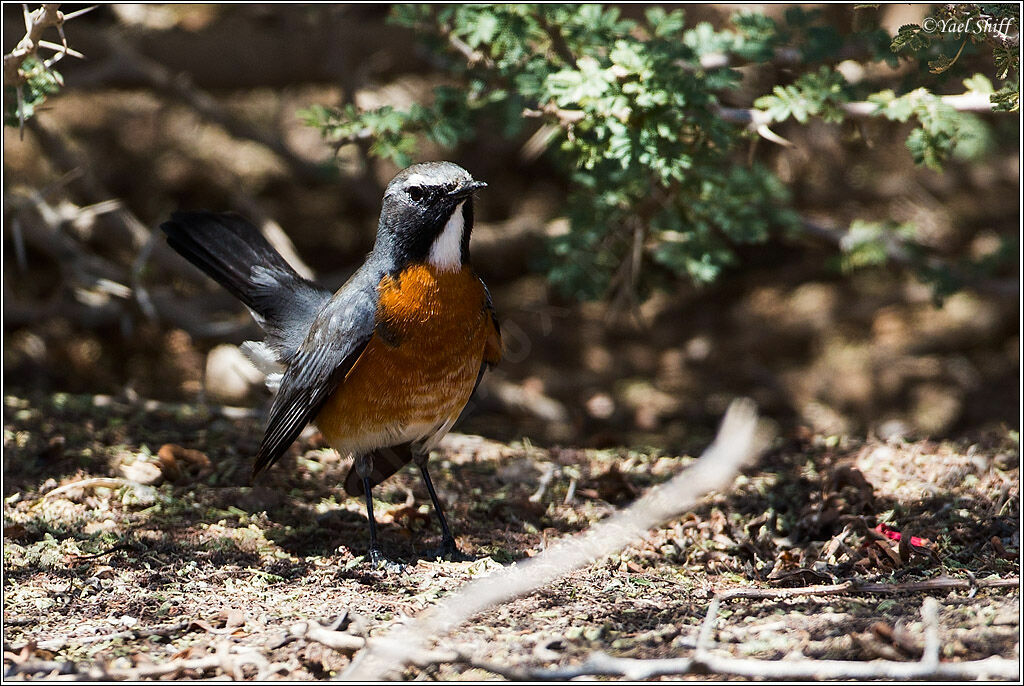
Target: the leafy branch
(633, 112)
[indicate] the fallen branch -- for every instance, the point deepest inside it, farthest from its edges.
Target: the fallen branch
(341, 641)
(704, 662)
(229, 659)
(142, 632)
(938, 584)
(602, 664)
(95, 482)
(739, 439)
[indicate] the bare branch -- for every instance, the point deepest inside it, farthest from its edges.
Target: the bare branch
(558, 43)
(896, 254)
(754, 118)
(739, 439)
(77, 13)
(36, 23)
(181, 87)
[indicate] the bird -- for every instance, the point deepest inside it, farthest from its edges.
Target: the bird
(384, 365)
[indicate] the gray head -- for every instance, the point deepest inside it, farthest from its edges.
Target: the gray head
(427, 216)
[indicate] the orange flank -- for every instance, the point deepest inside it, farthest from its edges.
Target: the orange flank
(421, 365)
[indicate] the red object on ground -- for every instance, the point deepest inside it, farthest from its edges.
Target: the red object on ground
(895, 535)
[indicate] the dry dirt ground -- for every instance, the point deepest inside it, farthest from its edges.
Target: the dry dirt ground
(132, 539)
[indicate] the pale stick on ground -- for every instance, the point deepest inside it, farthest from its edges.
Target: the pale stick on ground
(740, 438)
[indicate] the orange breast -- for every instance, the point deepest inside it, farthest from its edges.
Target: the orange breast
(419, 368)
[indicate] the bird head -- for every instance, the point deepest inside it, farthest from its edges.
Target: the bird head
(427, 216)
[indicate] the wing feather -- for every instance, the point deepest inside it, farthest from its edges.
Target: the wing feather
(336, 339)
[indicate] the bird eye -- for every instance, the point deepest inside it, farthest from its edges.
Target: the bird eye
(416, 193)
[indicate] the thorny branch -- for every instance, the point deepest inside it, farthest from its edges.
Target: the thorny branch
(36, 23)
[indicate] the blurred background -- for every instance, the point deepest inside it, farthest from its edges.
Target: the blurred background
(196, 106)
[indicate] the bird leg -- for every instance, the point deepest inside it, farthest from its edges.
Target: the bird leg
(448, 549)
(364, 467)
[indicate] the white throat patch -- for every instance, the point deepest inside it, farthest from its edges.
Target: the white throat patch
(446, 252)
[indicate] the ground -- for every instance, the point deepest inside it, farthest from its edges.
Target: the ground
(138, 522)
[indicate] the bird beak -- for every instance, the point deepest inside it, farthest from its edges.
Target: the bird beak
(467, 190)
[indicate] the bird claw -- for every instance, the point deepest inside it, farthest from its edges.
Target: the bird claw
(447, 551)
(379, 561)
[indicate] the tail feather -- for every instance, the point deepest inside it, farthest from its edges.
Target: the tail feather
(233, 252)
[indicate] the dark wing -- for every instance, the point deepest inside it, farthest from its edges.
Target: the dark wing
(492, 346)
(336, 339)
(492, 349)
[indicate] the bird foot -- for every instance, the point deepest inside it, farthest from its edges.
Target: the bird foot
(378, 560)
(447, 551)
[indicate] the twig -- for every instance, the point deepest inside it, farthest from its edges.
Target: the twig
(36, 23)
(94, 482)
(558, 43)
(91, 188)
(759, 120)
(602, 664)
(739, 439)
(754, 118)
(784, 592)
(473, 57)
(181, 87)
(545, 481)
(938, 584)
(570, 492)
(229, 659)
(80, 268)
(705, 638)
(338, 640)
(702, 662)
(930, 618)
(1008, 288)
(142, 632)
